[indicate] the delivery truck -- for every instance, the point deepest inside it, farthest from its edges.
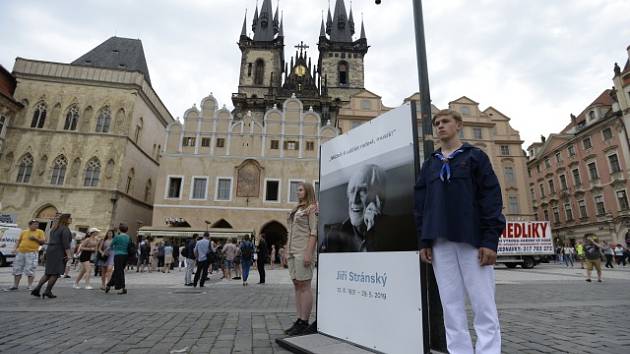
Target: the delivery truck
(525, 243)
(9, 235)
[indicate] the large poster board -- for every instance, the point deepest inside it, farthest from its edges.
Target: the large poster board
(526, 238)
(369, 290)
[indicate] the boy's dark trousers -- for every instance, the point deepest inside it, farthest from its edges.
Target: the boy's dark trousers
(202, 271)
(260, 264)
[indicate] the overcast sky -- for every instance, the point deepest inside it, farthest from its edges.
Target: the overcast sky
(536, 61)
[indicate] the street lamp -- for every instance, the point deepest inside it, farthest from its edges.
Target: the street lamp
(432, 316)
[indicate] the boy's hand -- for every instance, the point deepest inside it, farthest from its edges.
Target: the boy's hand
(426, 255)
(487, 256)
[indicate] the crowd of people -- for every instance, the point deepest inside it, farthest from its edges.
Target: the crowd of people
(591, 253)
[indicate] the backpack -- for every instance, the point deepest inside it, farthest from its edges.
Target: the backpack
(592, 252)
(131, 248)
(184, 252)
(247, 251)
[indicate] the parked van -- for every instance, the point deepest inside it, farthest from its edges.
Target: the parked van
(9, 235)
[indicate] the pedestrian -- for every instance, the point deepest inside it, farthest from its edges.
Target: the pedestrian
(247, 257)
(153, 260)
(168, 257)
(272, 258)
(237, 260)
(608, 253)
(579, 251)
(68, 261)
(182, 258)
(592, 254)
(121, 245)
(145, 254)
(160, 255)
(189, 256)
(229, 251)
(458, 216)
(302, 239)
(106, 258)
(201, 255)
(567, 251)
(26, 254)
(175, 256)
(620, 256)
(87, 249)
(58, 248)
(261, 258)
(283, 259)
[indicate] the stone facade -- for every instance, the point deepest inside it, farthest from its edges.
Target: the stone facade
(87, 142)
(8, 105)
(217, 170)
(578, 178)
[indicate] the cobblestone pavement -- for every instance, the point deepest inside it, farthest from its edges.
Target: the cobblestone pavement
(549, 309)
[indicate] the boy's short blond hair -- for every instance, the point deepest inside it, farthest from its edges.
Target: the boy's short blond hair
(447, 112)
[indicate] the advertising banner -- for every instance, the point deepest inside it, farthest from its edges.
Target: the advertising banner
(369, 270)
(526, 237)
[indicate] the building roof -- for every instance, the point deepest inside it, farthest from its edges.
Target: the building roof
(117, 53)
(604, 99)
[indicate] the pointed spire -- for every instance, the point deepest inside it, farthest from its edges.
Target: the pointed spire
(265, 28)
(281, 32)
(329, 21)
(351, 21)
(255, 21)
(363, 31)
(340, 31)
(244, 30)
(322, 30)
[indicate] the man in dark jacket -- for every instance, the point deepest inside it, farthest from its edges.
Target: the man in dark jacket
(458, 219)
(262, 254)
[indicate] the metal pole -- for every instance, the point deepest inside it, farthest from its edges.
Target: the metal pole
(433, 318)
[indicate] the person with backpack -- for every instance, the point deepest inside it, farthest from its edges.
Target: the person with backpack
(247, 257)
(189, 257)
(592, 255)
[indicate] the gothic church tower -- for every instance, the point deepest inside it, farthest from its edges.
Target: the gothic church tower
(340, 58)
(262, 60)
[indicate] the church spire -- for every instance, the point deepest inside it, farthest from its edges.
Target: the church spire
(255, 21)
(329, 21)
(362, 31)
(351, 21)
(244, 30)
(341, 31)
(281, 31)
(265, 26)
(322, 30)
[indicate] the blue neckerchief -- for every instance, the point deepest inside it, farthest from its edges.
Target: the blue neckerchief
(446, 168)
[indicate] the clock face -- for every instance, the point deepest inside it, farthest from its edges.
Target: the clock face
(300, 70)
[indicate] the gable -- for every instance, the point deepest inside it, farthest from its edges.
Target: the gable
(365, 94)
(552, 143)
(464, 100)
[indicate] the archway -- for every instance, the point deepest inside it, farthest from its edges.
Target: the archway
(45, 215)
(275, 234)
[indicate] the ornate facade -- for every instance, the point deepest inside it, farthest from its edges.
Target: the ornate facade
(87, 141)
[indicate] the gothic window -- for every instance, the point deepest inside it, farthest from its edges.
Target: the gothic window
(39, 116)
(259, 72)
(342, 68)
(249, 69)
(3, 122)
(59, 170)
(92, 173)
(72, 118)
(104, 120)
(25, 169)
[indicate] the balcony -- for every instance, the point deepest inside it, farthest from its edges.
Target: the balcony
(595, 184)
(617, 179)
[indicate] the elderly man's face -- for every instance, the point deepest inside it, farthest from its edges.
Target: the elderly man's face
(358, 196)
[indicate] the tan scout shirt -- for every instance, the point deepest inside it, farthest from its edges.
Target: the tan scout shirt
(303, 224)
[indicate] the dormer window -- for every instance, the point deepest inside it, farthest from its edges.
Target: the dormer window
(591, 115)
(115, 51)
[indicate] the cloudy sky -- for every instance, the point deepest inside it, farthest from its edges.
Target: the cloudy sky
(536, 61)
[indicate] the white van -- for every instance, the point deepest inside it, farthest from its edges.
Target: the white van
(9, 235)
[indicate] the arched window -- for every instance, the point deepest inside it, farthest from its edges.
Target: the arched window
(92, 173)
(129, 181)
(25, 169)
(39, 115)
(72, 118)
(259, 72)
(59, 170)
(104, 120)
(147, 190)
(138, 130)
(342, 68)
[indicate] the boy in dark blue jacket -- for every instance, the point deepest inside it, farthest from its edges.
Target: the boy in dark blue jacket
(458, 219)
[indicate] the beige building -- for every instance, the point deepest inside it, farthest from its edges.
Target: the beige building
(87, 141)
(8, 105)
(220, 172)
